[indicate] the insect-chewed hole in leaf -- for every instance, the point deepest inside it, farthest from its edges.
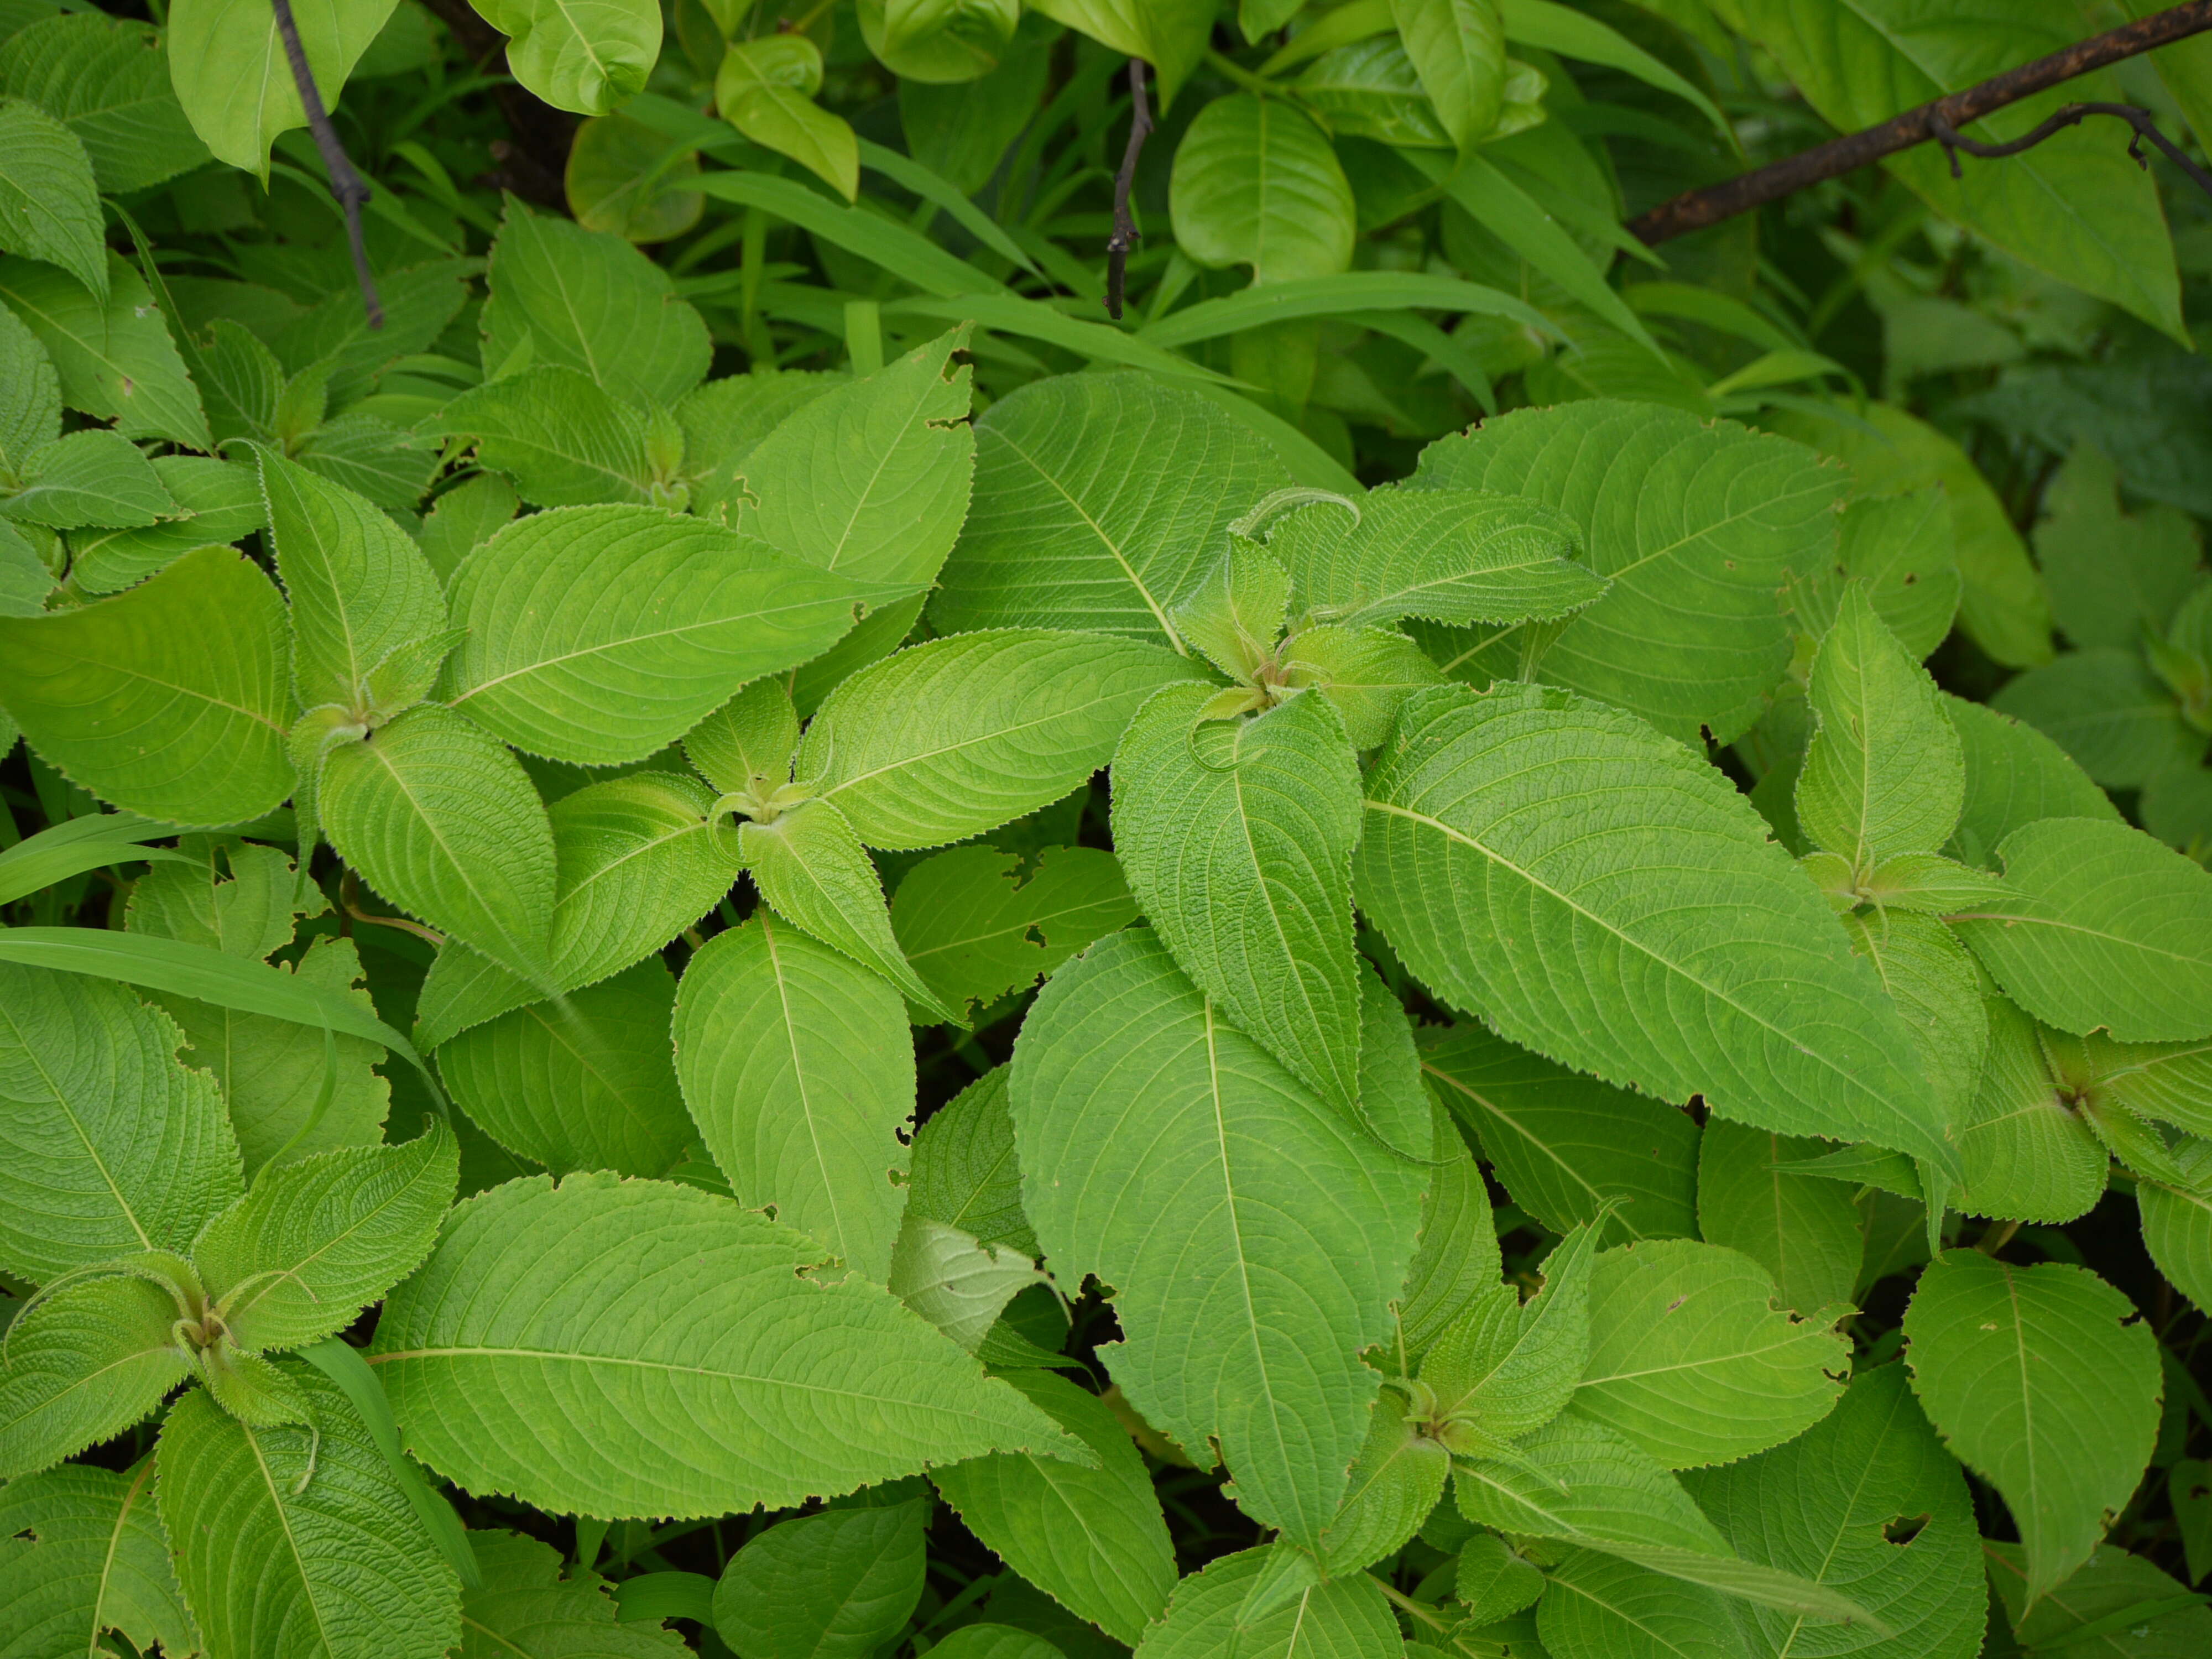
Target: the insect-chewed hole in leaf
(1901, 1529)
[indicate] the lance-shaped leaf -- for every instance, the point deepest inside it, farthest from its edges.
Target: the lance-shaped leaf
(812, 868)
(271, 1561)
(2039, 1380)
(584, 1081)
(2116, 1599)
(525, 1607)
(1826, 1506)
(314, 1242)
(1458, 47)
(964, 1170)
(1691, 1361)
(1094, 1539)
(974, 929)
(1884, 774)
(108, 78)
(1696, 524)
(49, 201)
(1449, 555)
(735, 1374)
(1457, 1261)
(89, 1557)
(1367, 672)
(597, 634)
(798, 1066)
(1275, 1235)
(563, 438)
(835, 1585)
(945, 740)
(1234, 615)
(1347, 1618)
(1100, 500)
(870, 479)
(2110, 929)
(169, 700)
(1508, 1368)
(1238, 838)
(85, 1365)
(1664, 943)
(438, 818)
(110, 1147)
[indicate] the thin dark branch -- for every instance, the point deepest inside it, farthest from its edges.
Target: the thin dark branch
(1125, 227)
(347, 184)
(2144, 122)
(1695, 209)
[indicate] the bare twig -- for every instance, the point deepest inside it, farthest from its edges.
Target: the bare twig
(347, 184)
(2144, 122)
(1695, 209)
(1125, 227)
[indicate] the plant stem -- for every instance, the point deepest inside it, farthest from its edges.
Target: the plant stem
(347, 184)
(1125, 227)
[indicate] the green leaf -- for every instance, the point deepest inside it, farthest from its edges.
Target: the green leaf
(1567, 936)
(964, 1173)
(83, 1366)
(168, 700)
(1509, 1368)
(30, 392)
(1280, 1235)
(2110, 574)
(1564, 1144)
(944, 740)
(1691, 1361)
(2014, 777)
(113, 1147)
(94, 477)
(49, 202)
(2116, 1603)
(1695, 523)
(2108, 710)
(1394, 1483)
(765, 89)
(725, 420)
(870, 479)
(797, 1067)
(227, 65)
(1456, 1262)
(115, 357)
(956, 1284)
(563, 440)
(463, 519)
(2028, 1156)
(221, 502)
(1255, 184)
(1578, 1480)
(665, 1303)
(360, 588)
(1826, 1506)
(1884, 774)
(585, 1081)
(1347, 1618)
(1900, 548)
(2177, 1224)
(590, 301)
(599, 634)
(334, 337)
(1458, 47)
(1599, 1605)
(1367, 672)
(108, 79)
(1099, 501)
(977, 928)
(625, 176)
(76, 845)
(526, 1610)
(87, 1554)
(2039, 1382)
(314, 1242)
(1804, 1229)
(1169, 35)
(1493, 1580)
(835, 1585)
(271, 1527)
(1576, 34)
(2110, 929)
(1237, 839)
(1384, 295)
(590, 60)
(440, 819)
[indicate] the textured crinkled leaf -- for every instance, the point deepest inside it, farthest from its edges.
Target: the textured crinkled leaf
(1600, 1607)
(1367, 672)
(1804, 1230)
(1564, 1144)
(1093, 1538)
(2108, 711)
(1511, 1367)
(2028, 1156)
(115, 358)
(585, 1081)
(108, 79)
(2014, 777)
(1901, 548)
(1238, 838)
(1254, 183)
(1594, 941)
(30, 391)
(49, 201)
(171, 699)
(798, 1066)
(221, 501)
(1695, 523)
(870, 479)
(86, 1553)
(835, 1585)
(1937, 989)
(2176, 1222)
(464, 518)
(654, 1350)
(744, 747)
(273, 1572)
(87, 1364)
(111, 1146)
(1099, 501)
(1347, 1618)
(1691, 1360)
(526, 1609)
(964, 1173)
(1825, 1506)
(2110, 929)
(1492, 1581)
(2169, 1081)
(2112, 1585)
(975, 928)
(1394, 1483)
(956, 1284)
(945, 740)
(440, 818)
(1578, 1480)
(227, 64)
(1236, 614)
(1281, 1231)
(599, 635)
(2038, 1381)
(1457, 1261)
(563, 438)
(91, 477)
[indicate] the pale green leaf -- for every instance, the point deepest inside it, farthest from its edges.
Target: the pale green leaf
(84, 1365)
(1236, 615)
(526, 1610)
(108, 79)
(1347, 1618)
(1169, 34)
(1600, 1607)
(957, 1285)
(1270, 1258)
(725, 420)
(30, 391)
(1458, 47)
(975, 928)
(91, 477)
(49, 202)
(563, 438)
(964, 1171)
(1593, 941)
(1457, 1261)
(1493, 1580)
(1935, 986)
(944, 740)
(798, 1066)
(2177, 1225)
(1900, 547)
(73, 845)
(464, 518)
(2039, 1380)
(1802, 1228)
(587, 57)
(837, 1585)
(765, 89)
(2014, 777)
(1509, 1368)
(271, 1563)
(718, 1370)
(585, 1081)
(2171, 1081)
(1394, 1483)
(86, 1553)
(227, 64)
(2116, 1604)
(625, 176)
(744, 747)
(1255, 184)
(169, 700)
(221, 502)
(599, 635)
(115, 358)
(1578, 1480)
(2028, 1155)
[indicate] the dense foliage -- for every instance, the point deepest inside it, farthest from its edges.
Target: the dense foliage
(738, 929)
